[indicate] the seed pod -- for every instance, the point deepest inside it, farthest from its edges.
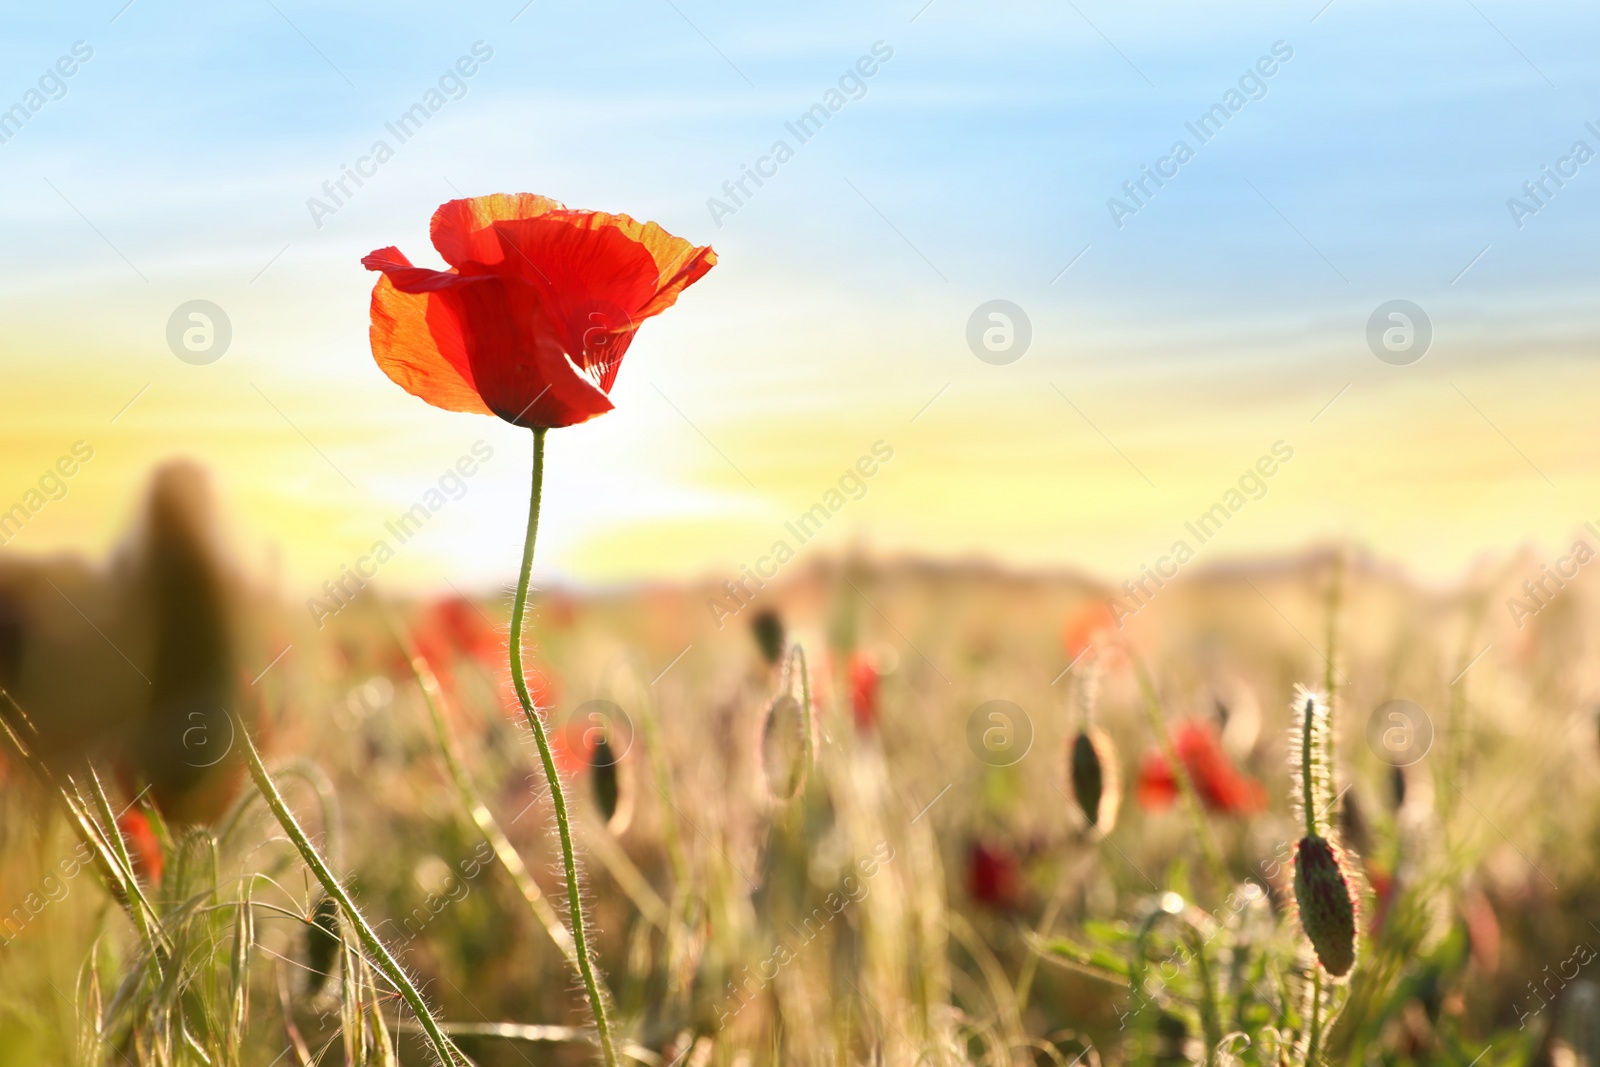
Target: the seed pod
(768, 630)
(322, 944)
(611, 795)
(1325, 895)
(788, 731)
(1397, 787)
(783, 747)
(1096, 783)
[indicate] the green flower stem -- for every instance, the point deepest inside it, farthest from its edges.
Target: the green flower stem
(1314, 1042)
(1331, 676)
(442, 1045)
(1308, 783)
(482, 817)
(558, 798)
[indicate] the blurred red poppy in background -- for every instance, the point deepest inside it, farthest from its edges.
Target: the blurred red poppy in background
(1090, 633)
(533, 318)
(143, 848)
(454, 627)
(994, 875)
(1221, 786)
(864, 680)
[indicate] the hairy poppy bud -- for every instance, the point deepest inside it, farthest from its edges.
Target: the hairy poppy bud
(1096, 785)
(1325, 896)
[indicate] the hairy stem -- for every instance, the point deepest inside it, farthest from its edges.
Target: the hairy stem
(1308, 782)
(482, 817)
(1314, 1042)
(558, 799)
(442, 1045)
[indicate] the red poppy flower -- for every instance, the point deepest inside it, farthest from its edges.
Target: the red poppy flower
(143, 848)
(1220, 785)
(454, 626)
(533, 318)
(1382, 882)
(864, 691)
(1092, 624)
(994, 875)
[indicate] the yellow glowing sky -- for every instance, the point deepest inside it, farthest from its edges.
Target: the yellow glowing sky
(1432, 464)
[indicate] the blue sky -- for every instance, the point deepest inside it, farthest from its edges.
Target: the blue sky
(977, 165)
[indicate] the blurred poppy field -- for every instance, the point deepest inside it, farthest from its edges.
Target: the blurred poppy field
(976, 848)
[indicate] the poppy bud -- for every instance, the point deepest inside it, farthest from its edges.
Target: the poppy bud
(1325, 896)
(783, 747)
(1096, 784)
(607, 782)
(322, 944)
(768, 630)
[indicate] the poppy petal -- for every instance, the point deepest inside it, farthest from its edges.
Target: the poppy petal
(532, 321)
(595, 281)
(518, 366)
(679, 263)
(417, 342)
(462, 229)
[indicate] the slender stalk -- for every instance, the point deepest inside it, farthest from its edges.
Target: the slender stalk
(1308, 782)
(558, 799)
(442, 1045)
(1314, 1042)
(482, 817)
(1331, 675)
